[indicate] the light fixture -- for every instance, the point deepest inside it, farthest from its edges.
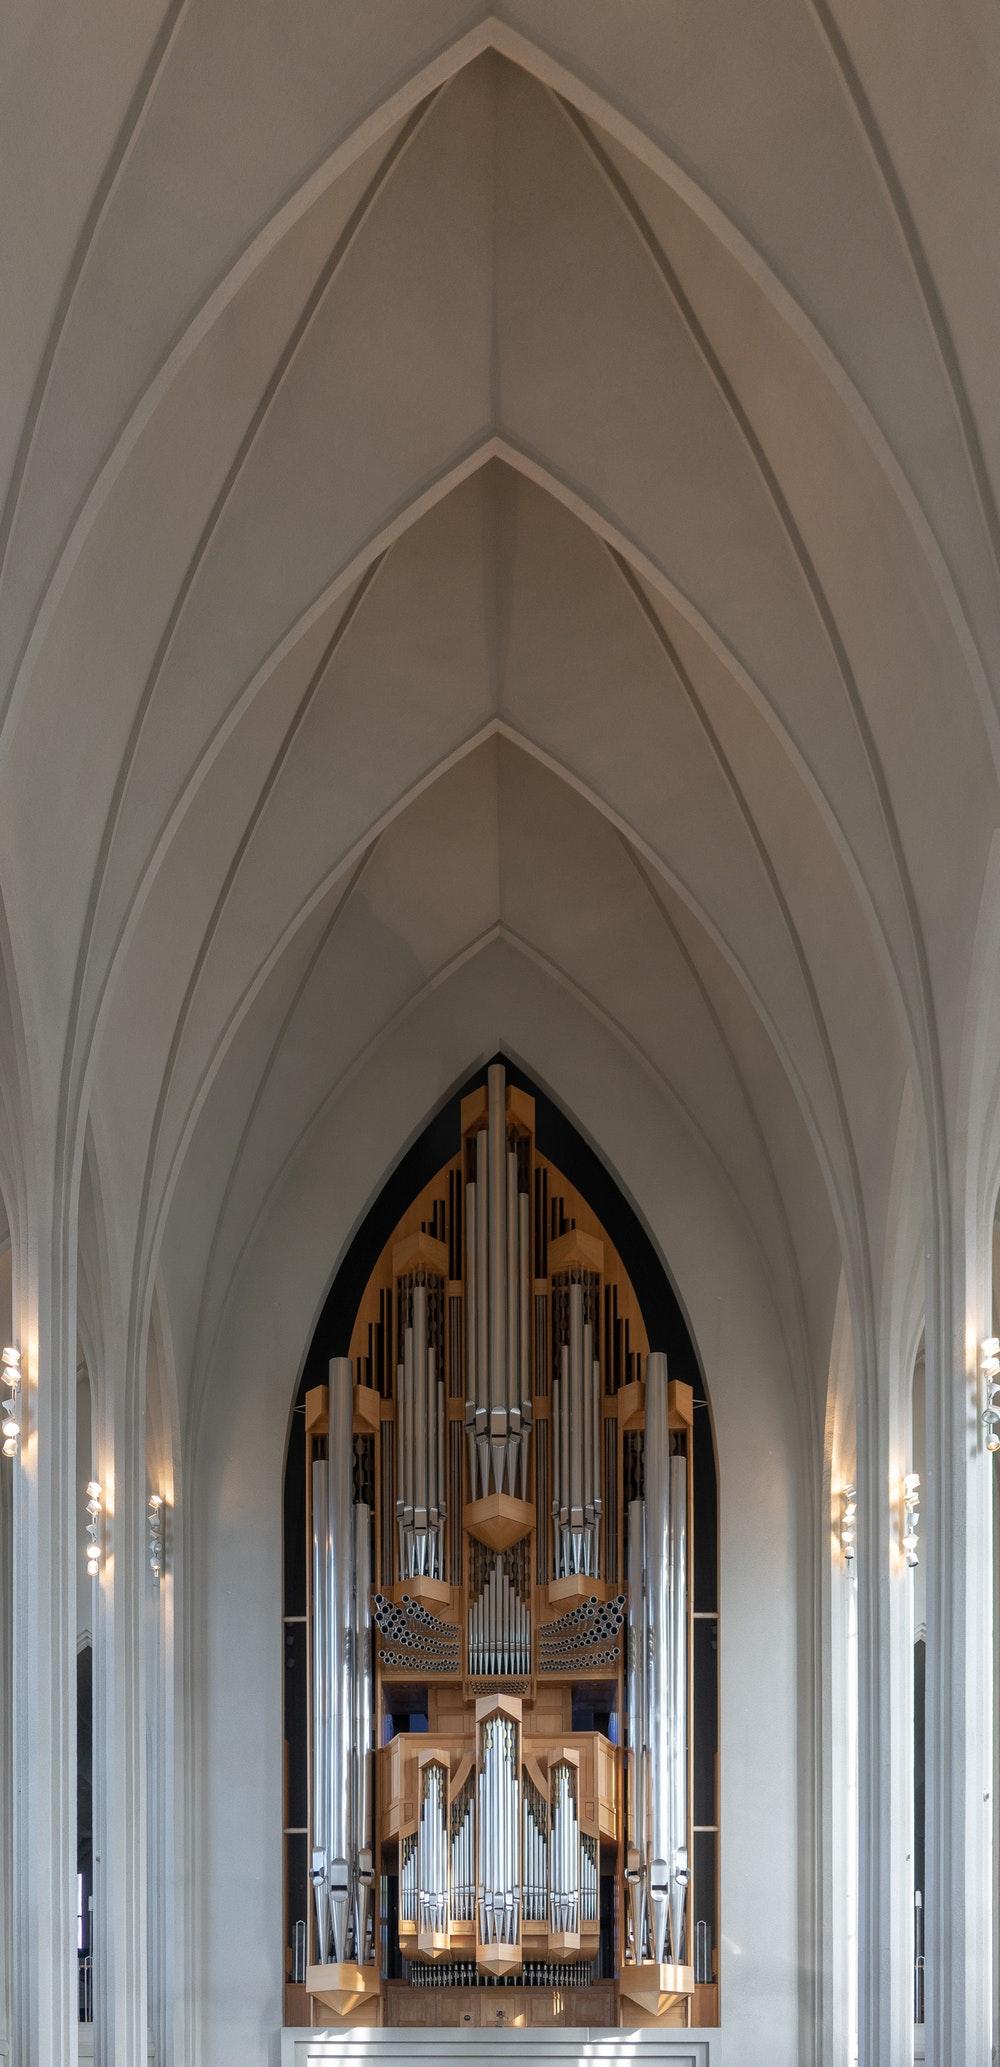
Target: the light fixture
(11, 1379)
(95, 1508)
(911, 1516)
(989, 1371)
(155, 1518)
(848, 1523)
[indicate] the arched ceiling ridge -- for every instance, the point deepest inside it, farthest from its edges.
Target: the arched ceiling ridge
(845, 1196)
(131, 434)
(652, 891)
(495, 34)
(889, 465)
(139, 101)
(628, 555)
(937, 319)
(399, 106)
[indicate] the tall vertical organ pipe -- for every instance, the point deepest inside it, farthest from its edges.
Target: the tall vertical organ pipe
(343, 1706)
(320, 1804)
(666, 1672)
(497, 1293)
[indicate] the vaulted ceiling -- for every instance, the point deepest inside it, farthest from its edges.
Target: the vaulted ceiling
(512, 483)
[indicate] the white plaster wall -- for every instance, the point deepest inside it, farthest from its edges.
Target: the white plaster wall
(498, 1000)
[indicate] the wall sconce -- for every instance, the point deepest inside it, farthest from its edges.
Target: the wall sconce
(911, 1517)
(848, 1524)
(11, 1379)
(155, 1524)
(989, 1371)
(95, 1509)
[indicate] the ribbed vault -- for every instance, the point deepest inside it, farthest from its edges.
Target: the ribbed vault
(498, 531)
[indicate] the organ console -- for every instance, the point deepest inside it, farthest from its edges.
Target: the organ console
(499, 1497)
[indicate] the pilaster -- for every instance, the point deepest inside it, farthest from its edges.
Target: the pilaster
(44, 1957)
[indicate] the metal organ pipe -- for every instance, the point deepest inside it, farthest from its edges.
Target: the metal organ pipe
(432, 1851)
(498, 1285)
(666, 1681)
(637, 1736)
(364, 1754)
(320, 1807)
(498, 1848)
(340, 1473)
(678, 1704)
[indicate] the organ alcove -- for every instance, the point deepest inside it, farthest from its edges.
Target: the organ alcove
(509, 1630)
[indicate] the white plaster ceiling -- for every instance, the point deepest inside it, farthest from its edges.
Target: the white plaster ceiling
(524, 475)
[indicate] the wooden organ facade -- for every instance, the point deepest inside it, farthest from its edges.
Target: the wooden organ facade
(499, 1512)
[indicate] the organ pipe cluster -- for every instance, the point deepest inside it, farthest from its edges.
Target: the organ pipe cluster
(497, 1302)
(343, 1694)
(420, 1507)
(432, 1850)
(500, 1548)
(576, 1432)
(499, 1613)
(656, 1690)
(498, 1860)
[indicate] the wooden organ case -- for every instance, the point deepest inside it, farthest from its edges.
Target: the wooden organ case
(499, 1501)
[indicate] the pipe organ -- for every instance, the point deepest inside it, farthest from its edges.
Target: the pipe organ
(499, 1494)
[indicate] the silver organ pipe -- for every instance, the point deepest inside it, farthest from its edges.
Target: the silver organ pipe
(340, 1490)
(679, 1871)
(535, 1855)
(463, 1886)
(498, 1832)
(499, 1625)
(481, 1409)
(498, 1290)
(364, 1754)
(320, 1804)
(432, 1850)
(637, 1735)
(564, 1851)
(421, 1504)
(343, 1697)
(666, 1678)
(577, 1453)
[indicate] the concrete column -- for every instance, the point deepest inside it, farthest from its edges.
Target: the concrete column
(120, 1803)
(45, 1542)
(959, 1673)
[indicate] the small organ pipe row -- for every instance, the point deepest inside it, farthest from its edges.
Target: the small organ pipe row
(499, 1627)
(408, 1879)
(463, 1866)
(343, 1695)
(588, 1880)
(422, 1411)
(497, 1304)
(535, 1854)
(536, 1973)
(432, 1850)
(576, 1440)
(656, 1689)
(498, 1831)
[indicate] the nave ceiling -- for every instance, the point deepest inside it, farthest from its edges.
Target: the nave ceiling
(492, 482)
